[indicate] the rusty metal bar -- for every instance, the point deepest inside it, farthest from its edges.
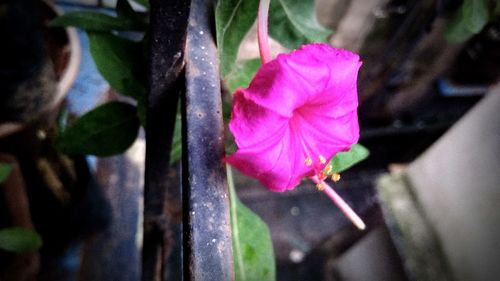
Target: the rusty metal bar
(207, 225)
(162, 245)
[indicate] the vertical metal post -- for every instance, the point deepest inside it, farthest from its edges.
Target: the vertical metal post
(207, 224)
(162, 247)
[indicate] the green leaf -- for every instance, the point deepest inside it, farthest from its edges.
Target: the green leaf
(293, 23)
(144, 3)
(176, 151)
(106, 130)
(252, 246)
(242, 74)
(233, 19)
(125, 11)
(142, 107)
(475, 13)
(94, 21)
(62, 119)
(456, 31)
(17, 239)
(344, 160)
(468, 20)
(120, 62)
(5, 170)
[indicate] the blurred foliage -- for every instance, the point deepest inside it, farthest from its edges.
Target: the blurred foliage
(104, 131)
(470, 18)
(233, 19)
(111, 129)
(293, 23)
(5, 170)
(242, 74)
(15, 239)
(252, 246)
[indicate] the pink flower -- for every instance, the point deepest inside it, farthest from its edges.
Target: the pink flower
(298, 112)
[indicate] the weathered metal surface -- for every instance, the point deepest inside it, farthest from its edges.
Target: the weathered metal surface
(162, 254)
(208, 241)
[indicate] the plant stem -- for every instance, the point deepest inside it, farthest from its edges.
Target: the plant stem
(348, 212)
(265, 52)
(233, 197)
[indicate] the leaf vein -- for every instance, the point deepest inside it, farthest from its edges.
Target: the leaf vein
(230, 20)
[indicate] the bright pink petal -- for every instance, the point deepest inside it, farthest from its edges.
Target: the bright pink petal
(251, 123)
(272, 163)
(304, 76)
(327, 136)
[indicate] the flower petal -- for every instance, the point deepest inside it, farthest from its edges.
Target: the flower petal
(304, 76)
(338, 85)
(298, 106)
(252, 124)
(275, 164)
(327, 136)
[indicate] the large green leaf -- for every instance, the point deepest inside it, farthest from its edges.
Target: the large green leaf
(120, 62)
(344, 160)
(233, 19)
(293, 23)
(475, 13)
(252, 247)
(242, 74)
(106, 130)
(17, 239)
(5, 170)
(94, 21)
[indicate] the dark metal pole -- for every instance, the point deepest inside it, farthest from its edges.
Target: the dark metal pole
(207, 224)
(162, 248)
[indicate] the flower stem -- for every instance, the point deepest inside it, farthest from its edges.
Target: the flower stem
(348, 212)
(233, 198)
(265, 52)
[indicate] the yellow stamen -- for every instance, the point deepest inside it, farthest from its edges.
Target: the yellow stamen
(335, 177)
(320, 186)
(308, 161)
(328, 169)
(322, 159)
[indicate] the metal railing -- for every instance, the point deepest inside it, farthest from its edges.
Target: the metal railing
(186, 226)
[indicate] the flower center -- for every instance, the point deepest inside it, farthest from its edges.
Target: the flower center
(317, 161)
(319, 177)
(322, 174)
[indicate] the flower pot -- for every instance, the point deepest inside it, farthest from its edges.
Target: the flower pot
(39, 79)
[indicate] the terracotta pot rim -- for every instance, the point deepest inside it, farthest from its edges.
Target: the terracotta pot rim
(71, 71)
